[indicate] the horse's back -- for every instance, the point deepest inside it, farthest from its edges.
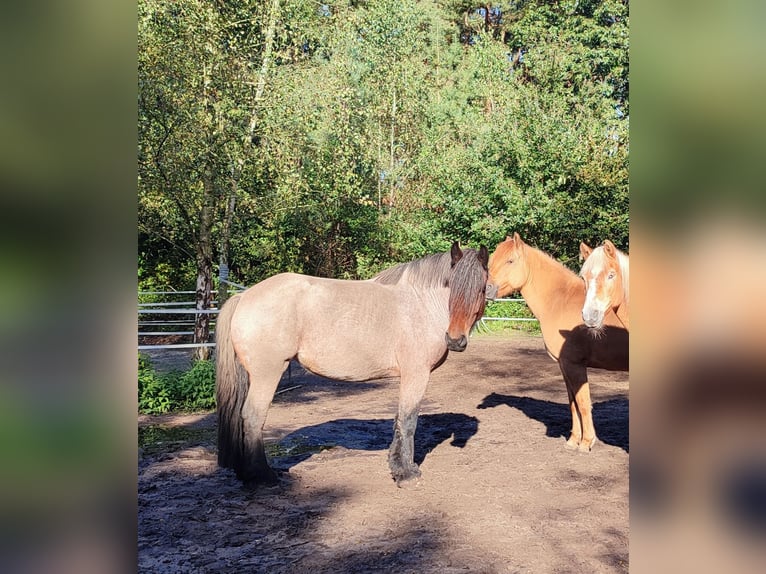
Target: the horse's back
(271, 302)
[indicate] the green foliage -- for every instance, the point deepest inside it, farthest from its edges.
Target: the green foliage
(195, 389)
(386, 130)
(154, 274)
(508, 309)
(175, 391)
(154, 395)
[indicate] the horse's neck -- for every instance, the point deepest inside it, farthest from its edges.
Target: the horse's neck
(622, 314)
(551, 293)
(436, 302)
(440, 300)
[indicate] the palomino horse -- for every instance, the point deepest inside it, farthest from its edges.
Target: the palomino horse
(556, 295)
(606, 273)
(402, 323)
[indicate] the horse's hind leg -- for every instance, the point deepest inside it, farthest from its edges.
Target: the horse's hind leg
(264, 375)
(401, 454)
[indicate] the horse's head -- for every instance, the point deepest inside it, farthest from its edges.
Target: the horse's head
(467, 296)
(603, 282)
(508, 270)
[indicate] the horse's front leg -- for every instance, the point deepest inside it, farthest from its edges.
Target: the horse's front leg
(583, 434)
(575, 435)
(401, 454)
(582, 398)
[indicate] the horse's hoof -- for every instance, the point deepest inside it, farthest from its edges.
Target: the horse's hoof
(267, 481)
(410, 482)
(254, 486)
(572, 444)
(586, 446)
(407, 478)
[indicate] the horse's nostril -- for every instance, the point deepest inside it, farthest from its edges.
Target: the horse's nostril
(458, 344)
(591, 317)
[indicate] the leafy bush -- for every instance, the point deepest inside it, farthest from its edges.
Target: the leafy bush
(175, 391)
(153, 392)
(195, 389)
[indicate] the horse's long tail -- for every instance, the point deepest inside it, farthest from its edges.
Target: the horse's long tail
(231, 390)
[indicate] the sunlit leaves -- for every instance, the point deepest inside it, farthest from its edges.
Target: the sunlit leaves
(384, 132)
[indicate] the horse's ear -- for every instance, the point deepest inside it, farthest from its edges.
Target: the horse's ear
(508, 237)
(456, 253)
(585, 251)
(517, 237)
(484, 256)
(610, 249)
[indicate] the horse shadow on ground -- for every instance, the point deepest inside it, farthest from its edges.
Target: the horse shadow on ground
(609, 417)
(371, 434)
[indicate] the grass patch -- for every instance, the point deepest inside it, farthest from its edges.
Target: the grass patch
(505, 310)
(154, 439)
(295, 447)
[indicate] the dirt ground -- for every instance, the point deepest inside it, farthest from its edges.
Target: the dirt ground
(499, 491)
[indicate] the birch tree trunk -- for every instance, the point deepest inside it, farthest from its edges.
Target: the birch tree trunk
(223, 288)
(204, 257)
(247, 144)
(392, 162)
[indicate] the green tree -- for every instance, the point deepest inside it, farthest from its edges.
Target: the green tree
(335, 139)
(200, 80)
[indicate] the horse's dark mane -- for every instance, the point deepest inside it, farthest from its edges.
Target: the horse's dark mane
(426, 273)
(465, 286)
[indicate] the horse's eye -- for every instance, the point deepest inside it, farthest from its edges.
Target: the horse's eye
(611, 275)
(510, 261)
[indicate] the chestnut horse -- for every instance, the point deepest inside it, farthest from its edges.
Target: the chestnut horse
(402, 323)
(555, 295)
(606, 273)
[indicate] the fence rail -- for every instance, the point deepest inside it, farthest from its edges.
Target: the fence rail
(148, 309)
(508, 318)
(176, 311)
(171, 304)
(175, 346)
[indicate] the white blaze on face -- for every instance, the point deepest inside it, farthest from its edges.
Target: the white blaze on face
(591, 297)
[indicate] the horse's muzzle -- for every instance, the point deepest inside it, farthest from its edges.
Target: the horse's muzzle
(458, 344)
(491, 292)
(592, 317)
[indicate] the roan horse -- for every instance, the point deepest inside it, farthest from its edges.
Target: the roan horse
(606, 273)
(555, 295)
(401, 323)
